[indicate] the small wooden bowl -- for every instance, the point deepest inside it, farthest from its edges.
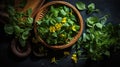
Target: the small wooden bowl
(41, 14)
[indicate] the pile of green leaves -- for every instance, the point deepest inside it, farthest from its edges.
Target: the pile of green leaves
(67, 24)
(99, 35)
(19, 25)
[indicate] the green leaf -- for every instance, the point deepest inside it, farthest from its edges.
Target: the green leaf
(39, 22)
(91, 6)
(52, 8)
(58, 19)
(72, 17)
(80, 5)
(103, 20)
(66, 25)
(63, 12)
(99, 25)
(92, 35)
(70, 21)
(25, 35)
(92, 20)
(51, 22)
(8, 29)
(54, 34)
(56, 13)
(29, 21)
(22, 42)
(47, 22)
(84, 37)
(42, 30)
(77, 27)
(66, 8)
(18, 30)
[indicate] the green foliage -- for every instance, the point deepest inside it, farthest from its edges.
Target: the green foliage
(99, 36)
(80, 5)
(20, 25)
(90, 8)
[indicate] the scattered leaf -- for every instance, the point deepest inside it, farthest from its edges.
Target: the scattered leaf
(80, 5)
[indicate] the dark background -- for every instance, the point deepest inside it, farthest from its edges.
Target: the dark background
(7, 59)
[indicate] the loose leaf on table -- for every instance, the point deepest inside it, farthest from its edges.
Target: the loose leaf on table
(91, 8)
(80, 5)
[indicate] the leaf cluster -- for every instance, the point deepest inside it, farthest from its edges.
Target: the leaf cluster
(99, 35)
(20, 24)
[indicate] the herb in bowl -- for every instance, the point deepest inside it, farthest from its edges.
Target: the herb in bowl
(58, 26)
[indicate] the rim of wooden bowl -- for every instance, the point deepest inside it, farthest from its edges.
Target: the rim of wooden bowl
(75, 38)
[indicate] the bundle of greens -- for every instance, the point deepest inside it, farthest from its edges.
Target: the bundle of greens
(20, 25)
(58, 26)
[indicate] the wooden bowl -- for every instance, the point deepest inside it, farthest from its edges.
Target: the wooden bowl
(41, 14)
